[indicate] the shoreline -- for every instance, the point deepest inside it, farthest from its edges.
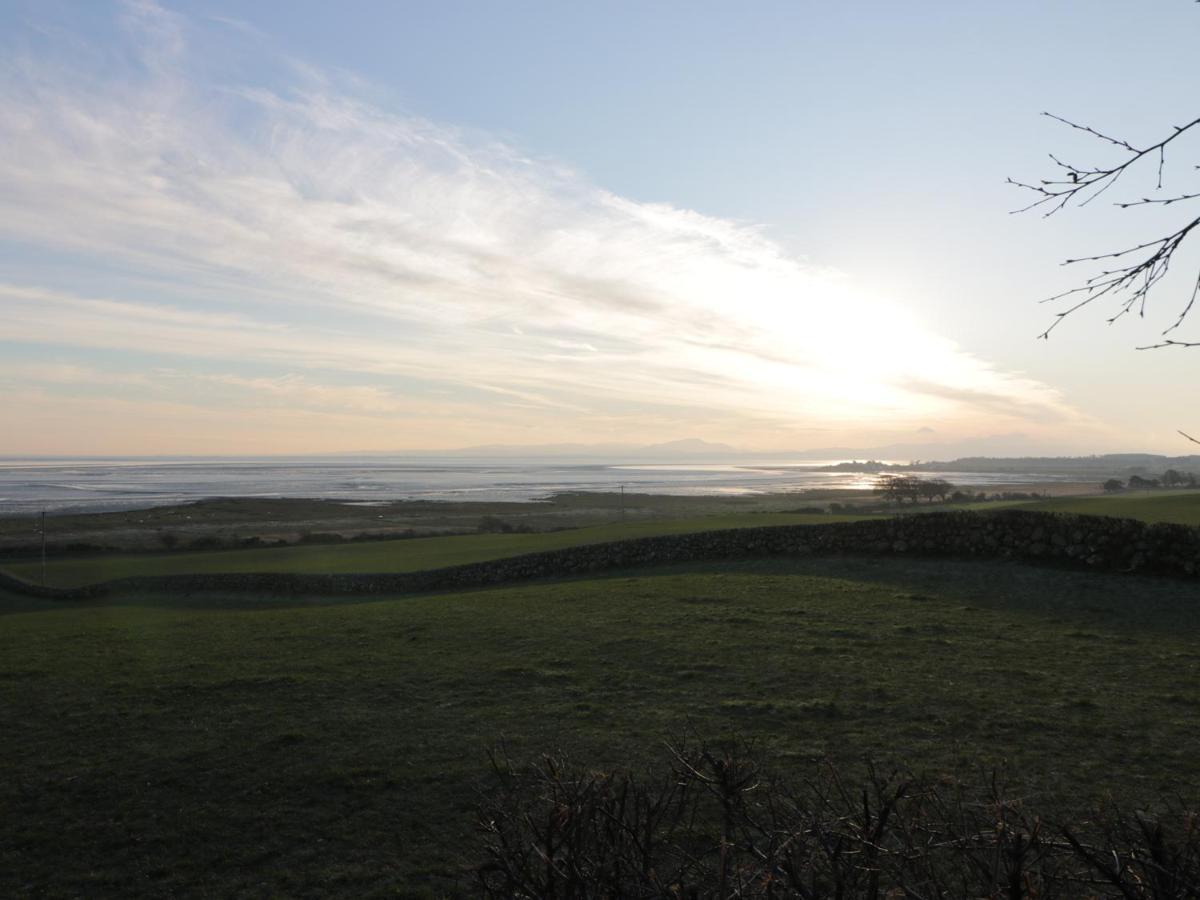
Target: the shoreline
(97, 487)
(1054, 486)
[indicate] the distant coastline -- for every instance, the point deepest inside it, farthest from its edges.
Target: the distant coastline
(94, 484)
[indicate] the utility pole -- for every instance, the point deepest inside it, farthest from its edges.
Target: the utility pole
(622, 504)
(43, 548)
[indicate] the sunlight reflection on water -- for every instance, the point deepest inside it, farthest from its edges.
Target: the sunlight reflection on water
(29, 485)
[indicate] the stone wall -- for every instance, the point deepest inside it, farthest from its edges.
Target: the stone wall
(1090, 542)
(19, 586)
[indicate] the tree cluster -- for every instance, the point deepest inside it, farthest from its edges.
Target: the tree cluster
(899, 488)
(1169, 479)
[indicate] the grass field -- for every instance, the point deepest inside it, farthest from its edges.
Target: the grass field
(1182, 507)
(427, 553)
(382, 556)
(227, 746)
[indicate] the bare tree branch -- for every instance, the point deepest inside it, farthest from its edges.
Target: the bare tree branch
(1142, 266)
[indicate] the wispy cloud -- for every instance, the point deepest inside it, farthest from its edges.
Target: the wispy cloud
(52, 373)
(309, 230)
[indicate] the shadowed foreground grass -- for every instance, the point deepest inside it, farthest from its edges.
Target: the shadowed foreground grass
(226, 745)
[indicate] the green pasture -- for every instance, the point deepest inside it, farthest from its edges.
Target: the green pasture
(426, 553)
(229, 746)
(1182, 507)
(382, 556)
(1179, 507)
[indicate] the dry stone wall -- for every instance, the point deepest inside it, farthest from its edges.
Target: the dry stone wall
(1092, 542)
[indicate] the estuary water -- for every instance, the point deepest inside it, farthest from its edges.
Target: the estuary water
(94, 484)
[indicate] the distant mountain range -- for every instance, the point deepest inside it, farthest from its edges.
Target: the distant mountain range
(908, 456)
(1107, 464)
(688, 448)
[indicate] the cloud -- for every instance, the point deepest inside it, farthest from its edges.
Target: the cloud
(70, 374)
(305, 228)
(1031, 407)
(298, 391)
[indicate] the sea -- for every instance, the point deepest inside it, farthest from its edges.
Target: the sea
(59, 485)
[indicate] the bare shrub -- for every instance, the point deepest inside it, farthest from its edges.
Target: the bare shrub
(713, 822)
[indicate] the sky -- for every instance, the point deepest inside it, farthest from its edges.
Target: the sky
(303, 227)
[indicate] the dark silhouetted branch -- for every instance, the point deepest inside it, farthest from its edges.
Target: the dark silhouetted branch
(1136, 270)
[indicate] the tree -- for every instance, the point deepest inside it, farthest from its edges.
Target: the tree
(1113, 485)
(934, 488)
(898, 488)
(888, 487)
